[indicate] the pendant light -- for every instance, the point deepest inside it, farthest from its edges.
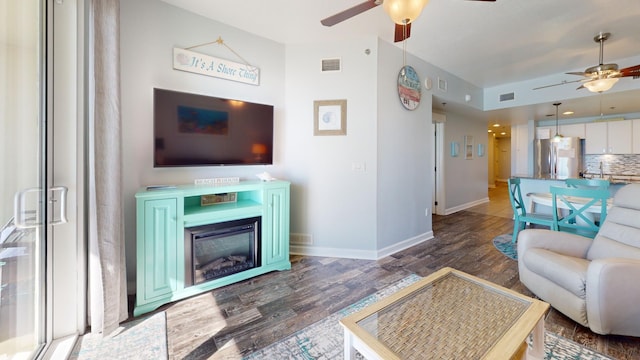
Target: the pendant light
(557, 136)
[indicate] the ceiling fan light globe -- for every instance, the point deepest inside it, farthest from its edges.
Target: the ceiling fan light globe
(600, 85)
(404, 11)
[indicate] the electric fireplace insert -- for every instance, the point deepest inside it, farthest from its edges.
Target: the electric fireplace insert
(217, 250)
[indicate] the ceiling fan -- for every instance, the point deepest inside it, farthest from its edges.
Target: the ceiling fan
(601, 77)
(402, 29)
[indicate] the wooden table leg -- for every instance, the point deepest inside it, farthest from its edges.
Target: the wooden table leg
(536, 351)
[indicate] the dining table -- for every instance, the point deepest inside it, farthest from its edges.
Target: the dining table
(546, 199)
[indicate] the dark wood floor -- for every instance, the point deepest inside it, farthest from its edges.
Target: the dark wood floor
(241, 318)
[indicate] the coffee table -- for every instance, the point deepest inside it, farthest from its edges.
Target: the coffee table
(448, 315)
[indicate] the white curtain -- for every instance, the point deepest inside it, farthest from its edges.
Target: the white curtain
(107, 273)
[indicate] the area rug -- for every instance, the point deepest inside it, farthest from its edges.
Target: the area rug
(324, 340)
(140, 339)
(504, 245)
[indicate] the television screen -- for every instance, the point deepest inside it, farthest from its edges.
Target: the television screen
(199, 130)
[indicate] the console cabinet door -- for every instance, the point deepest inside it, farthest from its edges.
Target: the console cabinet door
(159, 248)
(276, 226)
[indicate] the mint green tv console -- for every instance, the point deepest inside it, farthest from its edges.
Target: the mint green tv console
(163, 215)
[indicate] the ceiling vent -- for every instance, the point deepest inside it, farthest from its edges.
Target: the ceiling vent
(507, 97)
(331, 65)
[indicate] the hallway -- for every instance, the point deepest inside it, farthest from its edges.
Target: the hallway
(498, 205)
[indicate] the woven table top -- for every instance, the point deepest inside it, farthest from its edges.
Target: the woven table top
(450, 318)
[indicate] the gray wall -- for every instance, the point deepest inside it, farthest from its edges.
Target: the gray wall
(348, 213)
(404, 151)
(465, 180)
(150, 29)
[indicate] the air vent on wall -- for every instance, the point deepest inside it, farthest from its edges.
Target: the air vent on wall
(300, 239)
(330, 65)
(506, 97)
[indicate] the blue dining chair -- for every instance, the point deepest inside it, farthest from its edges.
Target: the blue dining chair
(583, 209)
(520, 215)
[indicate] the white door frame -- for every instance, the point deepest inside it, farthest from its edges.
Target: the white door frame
(66, 258)
(438, 191)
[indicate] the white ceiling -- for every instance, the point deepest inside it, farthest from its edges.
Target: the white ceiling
(484, 43)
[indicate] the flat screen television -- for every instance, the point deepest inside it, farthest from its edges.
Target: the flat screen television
(198, 130)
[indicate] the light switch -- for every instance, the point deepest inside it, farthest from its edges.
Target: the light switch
(358, 167)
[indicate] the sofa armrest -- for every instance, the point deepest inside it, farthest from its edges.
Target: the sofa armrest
(556, 241)
(612, 296)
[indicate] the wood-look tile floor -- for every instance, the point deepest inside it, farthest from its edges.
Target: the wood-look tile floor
(238, 319)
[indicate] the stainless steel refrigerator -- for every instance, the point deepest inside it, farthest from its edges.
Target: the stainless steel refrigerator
(558, 159)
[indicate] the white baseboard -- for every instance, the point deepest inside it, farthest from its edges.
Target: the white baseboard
(455, 209)
(309, 250)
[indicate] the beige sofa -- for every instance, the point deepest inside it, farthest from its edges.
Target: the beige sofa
(594, 282)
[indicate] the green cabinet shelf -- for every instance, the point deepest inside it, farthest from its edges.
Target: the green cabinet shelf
(163, 215)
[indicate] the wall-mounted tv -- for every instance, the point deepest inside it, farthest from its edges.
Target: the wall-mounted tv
(198, 130)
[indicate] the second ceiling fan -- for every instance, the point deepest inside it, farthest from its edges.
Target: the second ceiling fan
(402, 12)
(601, 77)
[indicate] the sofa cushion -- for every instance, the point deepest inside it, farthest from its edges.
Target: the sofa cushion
(619, 235)
(628, 197)
(566, 271)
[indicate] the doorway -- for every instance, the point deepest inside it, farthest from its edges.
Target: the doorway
(41, 254)
(437, 166)
(502, 159)
(23, 159)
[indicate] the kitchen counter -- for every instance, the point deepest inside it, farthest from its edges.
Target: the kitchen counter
(541, 184)
(614, 179)
(621, 179)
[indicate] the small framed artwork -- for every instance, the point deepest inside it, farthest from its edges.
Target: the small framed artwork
(481, 150)
(455, 148)
(330, 117)
(468, 147)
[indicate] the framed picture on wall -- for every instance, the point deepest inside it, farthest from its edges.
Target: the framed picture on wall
(468, 147)
(330, 117)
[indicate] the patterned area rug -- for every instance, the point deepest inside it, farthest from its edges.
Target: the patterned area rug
(140, 339)
(324, 339)
(504, 245)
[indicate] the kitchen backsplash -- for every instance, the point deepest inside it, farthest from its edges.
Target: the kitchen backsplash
(613, 164)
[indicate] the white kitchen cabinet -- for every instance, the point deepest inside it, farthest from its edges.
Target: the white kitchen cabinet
(596, 138)
(613, 137)
(619, 137)
(573, 130)
(545, 132)
(635, 125)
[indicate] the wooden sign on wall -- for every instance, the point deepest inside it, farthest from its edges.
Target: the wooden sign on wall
(194, 62)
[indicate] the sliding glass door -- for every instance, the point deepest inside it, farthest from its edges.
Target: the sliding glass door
(23, 133)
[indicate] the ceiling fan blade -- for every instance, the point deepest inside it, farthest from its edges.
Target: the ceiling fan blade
(400, 33)
(349, 13)
(560, 83)
(630, 71)
(578, 73)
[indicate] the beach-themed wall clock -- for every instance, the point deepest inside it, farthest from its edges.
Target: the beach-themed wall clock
(409, 87)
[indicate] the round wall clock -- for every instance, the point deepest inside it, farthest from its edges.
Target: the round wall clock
(409, 87)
